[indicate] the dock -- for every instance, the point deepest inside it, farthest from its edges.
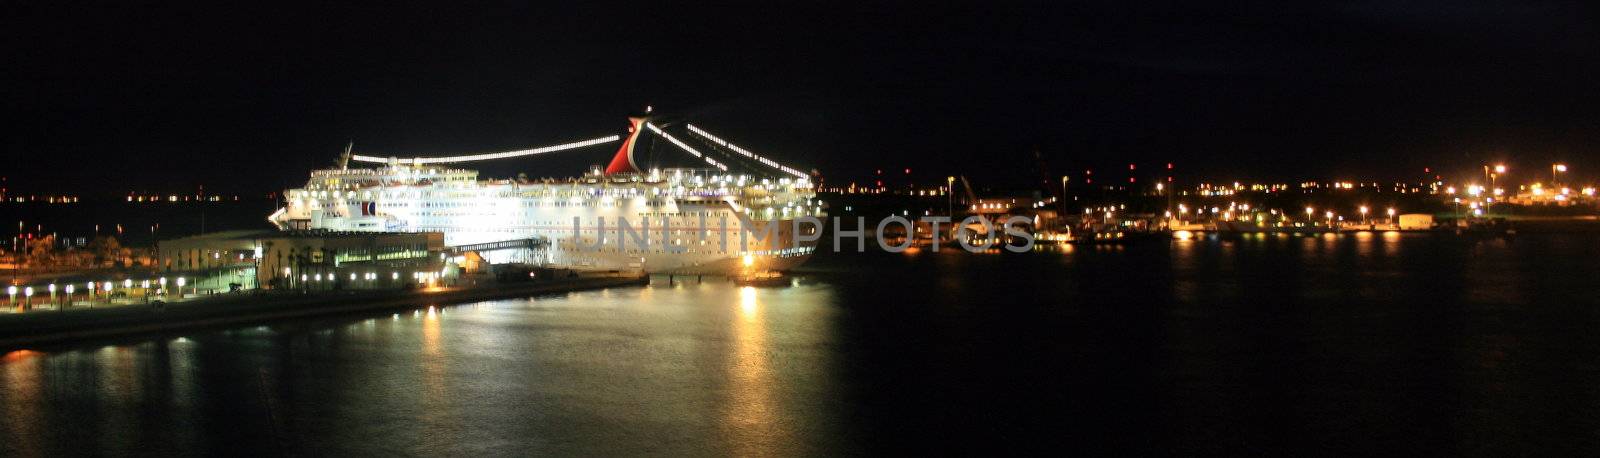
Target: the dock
(25, 330)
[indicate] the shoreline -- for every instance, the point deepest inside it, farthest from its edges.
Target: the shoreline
(49, 328)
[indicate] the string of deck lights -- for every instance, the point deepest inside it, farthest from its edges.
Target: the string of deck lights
(591, 142)
(489, 156)
(685, 146)
(746, 153)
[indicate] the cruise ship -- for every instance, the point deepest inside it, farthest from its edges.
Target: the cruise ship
(678, 220)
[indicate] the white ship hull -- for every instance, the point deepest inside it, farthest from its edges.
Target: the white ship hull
(689, 216)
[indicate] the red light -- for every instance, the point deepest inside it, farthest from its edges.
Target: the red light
(1130, 166)
(1088, 172)
(1169, 179)
(1427, 170)
(908, 171)
(1169, 166)
(1130, 179)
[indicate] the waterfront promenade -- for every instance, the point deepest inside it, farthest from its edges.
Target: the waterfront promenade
(47, 327)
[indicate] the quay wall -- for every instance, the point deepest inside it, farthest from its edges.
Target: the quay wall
(43, 328)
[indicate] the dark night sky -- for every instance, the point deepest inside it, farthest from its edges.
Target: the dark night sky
(107, 98)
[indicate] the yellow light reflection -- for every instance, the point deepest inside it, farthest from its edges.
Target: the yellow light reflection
(21, 375)
(751, 421)
(435, 392)
(747, 302)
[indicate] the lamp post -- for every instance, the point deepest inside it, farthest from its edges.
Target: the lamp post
(950, 196)
(1556, 169)
(1064, 180)
(1363, 214)
(1493, 184)
(1391, 215)
(1309, 212)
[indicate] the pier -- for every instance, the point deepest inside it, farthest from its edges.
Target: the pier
(41, 328)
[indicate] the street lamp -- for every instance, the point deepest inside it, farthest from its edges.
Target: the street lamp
(1309, 211)
(949, 197)
(1063, 197)
(1390, 211)
(1363, 214)
(1499, 169)
(1554, 170)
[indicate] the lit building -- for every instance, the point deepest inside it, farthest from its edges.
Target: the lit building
(310, 259)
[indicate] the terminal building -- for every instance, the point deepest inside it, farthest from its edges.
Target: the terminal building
(306, 259)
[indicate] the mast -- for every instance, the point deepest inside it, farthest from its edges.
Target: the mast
(344, 159)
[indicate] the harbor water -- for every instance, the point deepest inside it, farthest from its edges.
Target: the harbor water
(1332, 344)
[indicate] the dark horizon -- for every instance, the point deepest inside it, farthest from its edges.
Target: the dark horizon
(112, 98)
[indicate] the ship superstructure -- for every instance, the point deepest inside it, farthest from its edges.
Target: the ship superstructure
(673, 220)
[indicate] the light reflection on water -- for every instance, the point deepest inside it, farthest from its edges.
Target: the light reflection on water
(23, 413)
(437, 406)
(751, 411)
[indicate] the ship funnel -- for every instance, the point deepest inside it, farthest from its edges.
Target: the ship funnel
(623, 162)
